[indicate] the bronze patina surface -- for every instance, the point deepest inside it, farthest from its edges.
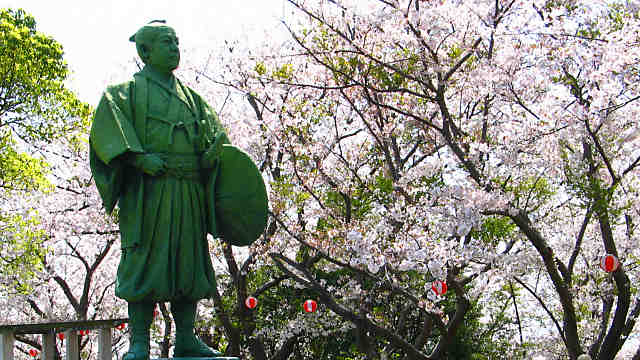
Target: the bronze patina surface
(156, 150)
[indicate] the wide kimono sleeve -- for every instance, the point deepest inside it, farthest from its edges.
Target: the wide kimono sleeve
(112, 134)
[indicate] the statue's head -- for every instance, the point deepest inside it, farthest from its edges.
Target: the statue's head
(157, 46)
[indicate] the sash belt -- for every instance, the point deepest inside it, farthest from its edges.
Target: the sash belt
(181, 166)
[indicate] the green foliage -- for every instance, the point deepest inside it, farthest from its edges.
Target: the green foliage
(589, 33)
(494, 229)
(618, 13)
(35, 105)
(358, 204)
(570, 6)
(260, 68)
(283, 73)
(287, 190)
(21, 250)
(590, 188)
(322, 38)
(36, 109)
(533, 191)
(21, 171)
(388, 79)
(455, 52)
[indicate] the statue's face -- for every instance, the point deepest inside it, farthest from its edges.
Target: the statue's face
(164, 55)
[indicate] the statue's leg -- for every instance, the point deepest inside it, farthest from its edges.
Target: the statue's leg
(187, 344)
(140, 316)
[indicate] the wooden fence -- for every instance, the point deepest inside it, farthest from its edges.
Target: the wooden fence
(70, 330)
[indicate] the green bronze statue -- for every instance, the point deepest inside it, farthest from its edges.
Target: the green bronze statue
(159, 151)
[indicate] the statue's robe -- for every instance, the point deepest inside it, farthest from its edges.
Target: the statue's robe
(163, 219)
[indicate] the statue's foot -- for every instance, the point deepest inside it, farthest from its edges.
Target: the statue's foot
(132, 355)
(135, 356)
(191, 346)
(137, 351)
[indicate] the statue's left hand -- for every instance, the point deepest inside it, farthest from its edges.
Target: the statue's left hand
(212, 155)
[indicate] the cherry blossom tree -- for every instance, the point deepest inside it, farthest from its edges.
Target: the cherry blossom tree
(489, 144)
(78, 252)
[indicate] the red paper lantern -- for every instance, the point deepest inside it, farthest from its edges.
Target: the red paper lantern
(155, 312)
(121, 326)
(251, 302)
(310, 306)
(61, 336)
(33, 352)
(83, 332)
(439, 287)
(609, 263)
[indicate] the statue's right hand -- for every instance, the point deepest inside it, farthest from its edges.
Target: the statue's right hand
(151, 164)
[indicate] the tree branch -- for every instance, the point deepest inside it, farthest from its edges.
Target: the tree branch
(342, 311)
(544, 307)
(578, 246)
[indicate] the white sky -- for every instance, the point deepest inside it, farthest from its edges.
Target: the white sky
(95, 34)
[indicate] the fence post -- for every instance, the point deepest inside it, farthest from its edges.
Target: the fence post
(6, 345)
(104, 344)
(48, 346)
(73, 348)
